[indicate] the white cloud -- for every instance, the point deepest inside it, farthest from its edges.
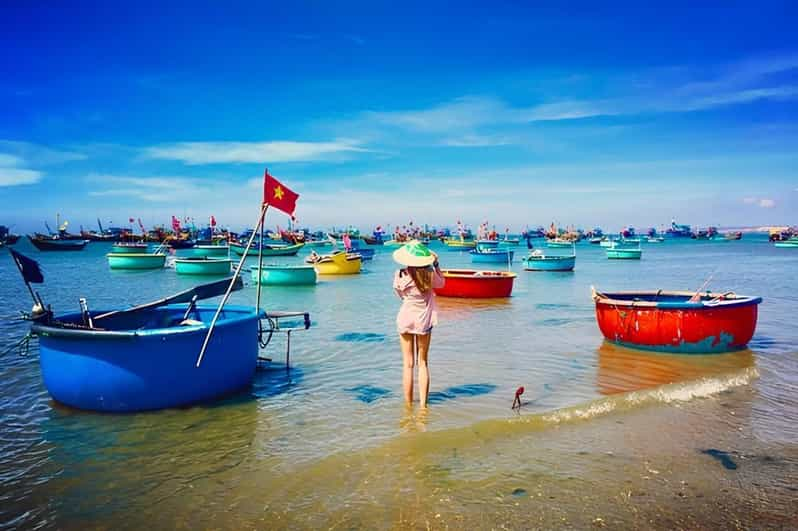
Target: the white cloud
(252, 152)
(749, 200)
(767, 203)
(39, 154)
(18, 176)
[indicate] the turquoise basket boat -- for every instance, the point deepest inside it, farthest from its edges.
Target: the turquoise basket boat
(201, 265)
(491, 256)
(268, 250)
(619, 252)
(209, 251)
(541, 262)
(285, 275)
(136, 260)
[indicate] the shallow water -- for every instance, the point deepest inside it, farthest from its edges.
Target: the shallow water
(606, 435)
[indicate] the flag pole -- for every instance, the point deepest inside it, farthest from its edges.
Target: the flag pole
(260, 259)
(232, 283)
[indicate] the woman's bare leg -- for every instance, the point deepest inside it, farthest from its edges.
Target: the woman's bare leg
(408, 362)
(422, 345)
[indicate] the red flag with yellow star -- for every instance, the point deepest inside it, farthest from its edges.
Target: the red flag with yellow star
(276, 194)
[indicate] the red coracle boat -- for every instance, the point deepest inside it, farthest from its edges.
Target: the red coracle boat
(669, 321)
(471, 284)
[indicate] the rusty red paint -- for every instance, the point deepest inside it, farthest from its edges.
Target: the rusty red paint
(693, 328)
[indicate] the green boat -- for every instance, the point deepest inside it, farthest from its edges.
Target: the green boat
(792, 243)
(130, 247)
(136, 260)
(620, 252)
(285, 275)
(268, 250)
(202, 265)
(208, 251)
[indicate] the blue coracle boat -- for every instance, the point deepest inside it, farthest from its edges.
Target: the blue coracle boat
(147, 359)
(491, 256)
(549, 263)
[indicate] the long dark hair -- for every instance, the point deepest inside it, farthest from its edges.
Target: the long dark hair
(422, 277)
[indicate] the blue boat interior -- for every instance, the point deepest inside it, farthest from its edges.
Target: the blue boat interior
(158, 318)
(682, 300)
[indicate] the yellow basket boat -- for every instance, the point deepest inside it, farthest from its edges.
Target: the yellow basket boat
(339, 263)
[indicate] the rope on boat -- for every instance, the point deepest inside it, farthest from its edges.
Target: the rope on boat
(272, 326)
(22, 346)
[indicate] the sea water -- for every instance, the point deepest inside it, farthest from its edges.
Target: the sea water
(606, 436)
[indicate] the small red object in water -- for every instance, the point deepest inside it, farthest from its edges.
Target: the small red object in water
(517, 399)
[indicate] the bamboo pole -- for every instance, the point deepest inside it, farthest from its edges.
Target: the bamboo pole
(232, 283)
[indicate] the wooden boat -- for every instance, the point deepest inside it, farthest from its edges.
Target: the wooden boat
(538, 261)
(455, 244)
(57, 244)
(209, 251)
(668, 321)
(491, 256)
(620, 252)
(338, 263)
(179, 243)
(6, 237)
(285, 275)
(559, 242)
(268, 250)
(203, 265)
(471, 284)
(130, 247)
(136, 260)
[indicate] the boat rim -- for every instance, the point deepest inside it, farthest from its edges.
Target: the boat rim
(721, 300)
(246, 312)
(474, 273)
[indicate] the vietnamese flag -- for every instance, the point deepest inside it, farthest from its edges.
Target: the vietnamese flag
(277, 195)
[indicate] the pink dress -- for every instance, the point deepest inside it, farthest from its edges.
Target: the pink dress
(418, 313)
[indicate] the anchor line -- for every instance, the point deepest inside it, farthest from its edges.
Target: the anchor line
(22, 346)
(264, 344)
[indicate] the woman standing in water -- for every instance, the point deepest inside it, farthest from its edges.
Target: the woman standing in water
(414, 284)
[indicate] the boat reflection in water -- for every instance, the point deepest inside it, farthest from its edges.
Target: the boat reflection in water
(623, 369)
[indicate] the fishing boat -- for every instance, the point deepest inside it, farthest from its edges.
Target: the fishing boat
(620, 252)
(6, 237)
(456, 244)
(491, 256)
(130, 247)
(180, 243)
(791, 243)
(734, 235)
(136, 260)
(539, 261)
(559, 242)
(679, 231)
(209, 251)
(202, 265)
(338, 263)
(677, 321)
(285, 275)
(44, 243)
(596, 240)
(472, 284)
(487, 244)
(268, 250)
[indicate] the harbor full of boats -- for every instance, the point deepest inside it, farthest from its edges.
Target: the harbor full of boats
(654, 319)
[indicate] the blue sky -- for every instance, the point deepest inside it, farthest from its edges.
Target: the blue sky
(381, 114)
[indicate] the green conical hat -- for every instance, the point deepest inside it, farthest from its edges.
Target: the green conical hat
(414, 254)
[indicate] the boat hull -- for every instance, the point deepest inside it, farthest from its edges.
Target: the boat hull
(276, 250)
(139, 370)
(550, 263)
(209, 251)
(203, 266)
(136, 260)
(339, 264)
(495, 257)
(472, 284)
(624, 254)
(667, 322)
(276, 275)
(58, 245)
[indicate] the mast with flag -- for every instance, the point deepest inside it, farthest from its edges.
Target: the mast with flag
(277, 195)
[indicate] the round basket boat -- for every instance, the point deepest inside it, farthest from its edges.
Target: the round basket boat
(471, 284)
(199, 265)
(148, 360)
(670, 321)
(136, 260)
(285, 275)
